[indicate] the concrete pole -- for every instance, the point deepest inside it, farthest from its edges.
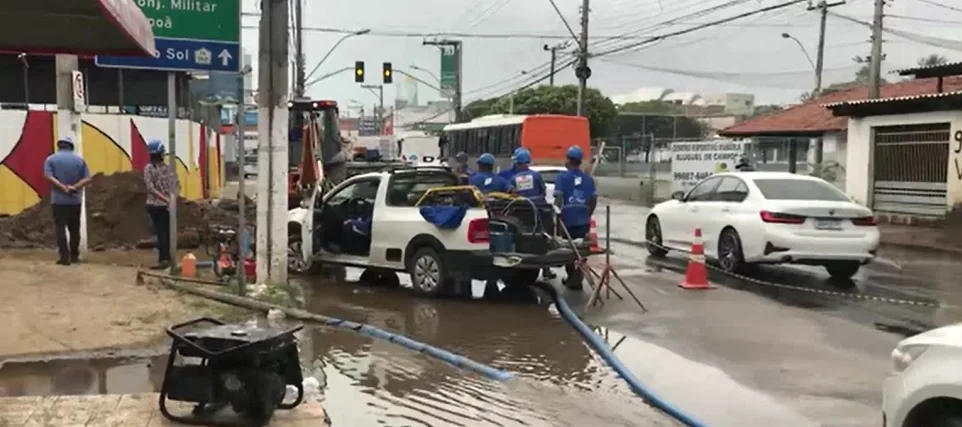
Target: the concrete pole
(582, 69)
(242, 235)
(172, 161)
(69, 124)
(875, 64)
(272, 143)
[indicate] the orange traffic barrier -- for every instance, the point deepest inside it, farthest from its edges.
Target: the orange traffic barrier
(696, 276)
(593, 236)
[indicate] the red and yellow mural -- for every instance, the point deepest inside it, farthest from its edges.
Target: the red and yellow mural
(109, 144)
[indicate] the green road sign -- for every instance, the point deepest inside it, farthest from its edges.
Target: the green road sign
(215, 20)
(450, 57)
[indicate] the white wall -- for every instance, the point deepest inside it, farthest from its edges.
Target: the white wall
(859, 157)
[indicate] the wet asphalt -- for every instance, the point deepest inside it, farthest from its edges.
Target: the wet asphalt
(746, 353)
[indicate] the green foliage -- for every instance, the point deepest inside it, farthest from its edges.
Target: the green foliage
(932, 60)
(600, 110)
(861, 78)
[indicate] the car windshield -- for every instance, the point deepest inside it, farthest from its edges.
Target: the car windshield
(549, 176)
(799, 189)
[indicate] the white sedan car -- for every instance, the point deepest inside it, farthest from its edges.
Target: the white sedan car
(924, 388)
(549, 174)
(767, 218)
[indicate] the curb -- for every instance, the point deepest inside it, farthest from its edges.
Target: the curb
(922, 247)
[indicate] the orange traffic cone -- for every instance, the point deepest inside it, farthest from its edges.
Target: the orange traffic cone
(696, 276)
(593, 236)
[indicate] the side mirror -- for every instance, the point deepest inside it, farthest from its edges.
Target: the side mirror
(678, 195)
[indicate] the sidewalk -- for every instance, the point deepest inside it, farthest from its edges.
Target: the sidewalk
(123, 410)
(937, 239)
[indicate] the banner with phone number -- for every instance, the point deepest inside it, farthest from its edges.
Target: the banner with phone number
(693, 161)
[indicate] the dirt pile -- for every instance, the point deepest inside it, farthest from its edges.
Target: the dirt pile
(116, 217)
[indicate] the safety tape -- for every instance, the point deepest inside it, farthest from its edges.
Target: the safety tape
(853, 296)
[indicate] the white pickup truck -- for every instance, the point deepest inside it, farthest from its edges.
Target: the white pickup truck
(401, 240)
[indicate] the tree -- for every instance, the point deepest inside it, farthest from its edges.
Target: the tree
(932, 60)
(600, 110)
(862, 77)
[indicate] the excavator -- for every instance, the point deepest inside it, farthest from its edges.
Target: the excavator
(318, 154)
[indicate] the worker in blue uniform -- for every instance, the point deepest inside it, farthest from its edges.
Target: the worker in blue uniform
(485, 179)
(461, 167)
(509, 173)
(576, 196)
(529, 184)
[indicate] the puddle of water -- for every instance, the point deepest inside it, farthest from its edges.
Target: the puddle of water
(81, 376)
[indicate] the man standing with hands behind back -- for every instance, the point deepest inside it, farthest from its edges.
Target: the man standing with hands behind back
(68, 174)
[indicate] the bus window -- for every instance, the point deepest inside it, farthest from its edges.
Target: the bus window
(514, 140)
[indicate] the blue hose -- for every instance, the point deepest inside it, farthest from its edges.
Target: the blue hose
(403, 341)
(596, 343)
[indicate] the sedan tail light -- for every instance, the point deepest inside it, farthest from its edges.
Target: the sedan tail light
(781, 218)
(478, 230)
(865, 221)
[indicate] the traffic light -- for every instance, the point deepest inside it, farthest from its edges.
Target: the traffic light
(388, 73)
(359, 71)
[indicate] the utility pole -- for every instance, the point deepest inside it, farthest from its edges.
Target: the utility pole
(300, 73)
(378, 90)
(822, 7)
(582, 71)
(459, 79)
(875, 60)
(272, 127)
(554, 57)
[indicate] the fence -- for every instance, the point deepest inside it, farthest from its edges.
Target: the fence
(638, 168)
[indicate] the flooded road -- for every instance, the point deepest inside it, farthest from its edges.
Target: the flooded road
(559, 381)
(748, 353)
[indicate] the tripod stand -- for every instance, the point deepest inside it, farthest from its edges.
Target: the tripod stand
(608, 272)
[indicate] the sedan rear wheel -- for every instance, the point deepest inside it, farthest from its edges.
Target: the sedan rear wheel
(730, 255)
(653, 238)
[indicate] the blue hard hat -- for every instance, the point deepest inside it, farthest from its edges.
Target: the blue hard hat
(68, 141)
(522, 156)
(575, 153)
(155, 147)
(461, 157)
(486, 159)
(518, 150)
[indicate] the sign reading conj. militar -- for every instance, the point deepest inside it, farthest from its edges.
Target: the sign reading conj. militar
(694, 161)
(191, 35)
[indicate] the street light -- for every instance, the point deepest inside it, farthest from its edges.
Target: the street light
(331, 50)
(800, 46)
(433, 76)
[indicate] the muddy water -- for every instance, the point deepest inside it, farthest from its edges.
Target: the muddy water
(369, 382)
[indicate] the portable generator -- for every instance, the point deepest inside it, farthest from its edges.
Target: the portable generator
(245, 368)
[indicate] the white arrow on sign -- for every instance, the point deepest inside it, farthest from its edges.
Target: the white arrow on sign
(225, 57)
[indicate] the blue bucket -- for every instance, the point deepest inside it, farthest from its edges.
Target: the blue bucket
(501, 240)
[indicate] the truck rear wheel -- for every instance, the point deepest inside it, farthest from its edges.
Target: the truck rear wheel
(429, 275)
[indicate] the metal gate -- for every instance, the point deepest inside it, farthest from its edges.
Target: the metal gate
(911, 169)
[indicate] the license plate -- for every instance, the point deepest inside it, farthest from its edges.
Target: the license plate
(828, 224)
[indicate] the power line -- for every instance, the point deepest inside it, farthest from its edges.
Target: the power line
(923, 19)
(444, 34)
(937, 4)
(693, 15)
(939, 42)
(636, 45)
(775, 79)
(563, 20)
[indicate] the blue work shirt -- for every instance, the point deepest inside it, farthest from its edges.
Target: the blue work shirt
(575, 189)
(509, 173)
(529, 184)
(463, 171)
(68, 168)
(488, 182)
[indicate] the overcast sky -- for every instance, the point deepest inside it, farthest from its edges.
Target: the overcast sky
(746, 56)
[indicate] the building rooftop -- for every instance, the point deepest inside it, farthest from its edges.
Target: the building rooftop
(812, 118)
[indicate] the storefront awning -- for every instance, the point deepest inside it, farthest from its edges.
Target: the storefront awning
(77, 27)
